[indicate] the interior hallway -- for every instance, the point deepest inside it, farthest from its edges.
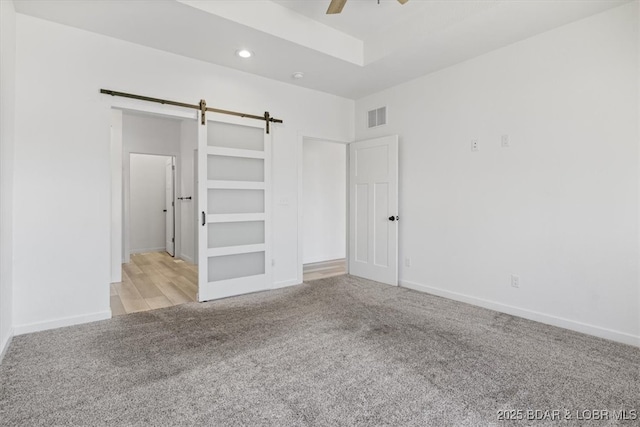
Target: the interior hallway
(153, 280)
(324, 269)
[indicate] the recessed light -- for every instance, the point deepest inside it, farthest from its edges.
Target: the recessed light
(244, 53)
(298, 75)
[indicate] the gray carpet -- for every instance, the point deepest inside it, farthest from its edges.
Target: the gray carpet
(334, 352)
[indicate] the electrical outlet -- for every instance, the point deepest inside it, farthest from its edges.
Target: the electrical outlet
(505, 141)
(474, 145)
(515, 281)
(407, 262)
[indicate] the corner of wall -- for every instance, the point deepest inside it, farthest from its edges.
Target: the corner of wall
(4, 345)
(7, 141)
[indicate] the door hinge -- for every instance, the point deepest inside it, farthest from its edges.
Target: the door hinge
(173, 240)
(173, 203)
(173, 167)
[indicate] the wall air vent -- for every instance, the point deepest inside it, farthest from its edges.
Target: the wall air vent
(377, 117)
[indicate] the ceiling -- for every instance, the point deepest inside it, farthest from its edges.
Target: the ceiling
(366, 48)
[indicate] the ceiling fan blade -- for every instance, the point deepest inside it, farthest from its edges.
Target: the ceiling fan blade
(336, 6)
(402, 1)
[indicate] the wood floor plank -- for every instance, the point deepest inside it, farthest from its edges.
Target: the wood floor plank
(112, 289)
(131, 269)
(169, 289)
(189, 274)
(158, 302)
(170, 265)
(148, 268)
(321, 270)
(175, 294)
(117, 308)
(127, 290)
(140, 259)
(184, 282)
(145, 286)
(131, 298)
(154, 280)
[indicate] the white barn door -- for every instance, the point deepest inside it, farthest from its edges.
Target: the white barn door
(234, 193)
(373, 209)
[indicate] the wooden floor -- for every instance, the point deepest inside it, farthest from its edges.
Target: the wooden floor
(153, 280)
(320, 270)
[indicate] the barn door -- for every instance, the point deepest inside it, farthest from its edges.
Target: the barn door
(234, 193)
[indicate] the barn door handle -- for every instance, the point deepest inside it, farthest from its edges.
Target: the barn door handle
(204, 219)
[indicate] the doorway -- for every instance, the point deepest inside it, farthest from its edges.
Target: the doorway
(151, 203)
(152, 216)
(324, 209)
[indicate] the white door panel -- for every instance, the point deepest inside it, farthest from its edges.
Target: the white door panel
(373, 207)
(234, 193)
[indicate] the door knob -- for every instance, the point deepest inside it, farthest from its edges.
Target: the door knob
(394, 218)
(164, 210)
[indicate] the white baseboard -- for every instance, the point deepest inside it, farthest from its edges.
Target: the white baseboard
(4, 347)
(548, 319)
(59, 323)
(285, 283)
(143, 250)
(187, 259)
(315, 260)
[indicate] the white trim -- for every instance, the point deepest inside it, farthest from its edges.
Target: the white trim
(143, 250)
(117, 212)
(235, 185)
(61, 322)
(211, 218)
(163, 110)
(119, 251)
(126, 199)
(235, 152)
(4, 347)
(232, 287)
(236, 250)
(286, 284)
(186, 258)
(548, 319)
(302, 136)
(324, 258)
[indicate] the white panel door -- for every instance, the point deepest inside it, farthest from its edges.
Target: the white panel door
(373, 209)
(169, 207)
(234, 193)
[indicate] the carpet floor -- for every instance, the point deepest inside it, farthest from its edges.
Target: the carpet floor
(340, 351)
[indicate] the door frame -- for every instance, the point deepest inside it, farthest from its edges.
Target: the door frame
(174, 202)
(126, 203)
(115, 107)
(302, 136)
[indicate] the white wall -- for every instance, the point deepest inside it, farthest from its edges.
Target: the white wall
(559, 207)
(7, 135)
(63, 163)
(145, 134)
(147, 220)
(324, 200)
